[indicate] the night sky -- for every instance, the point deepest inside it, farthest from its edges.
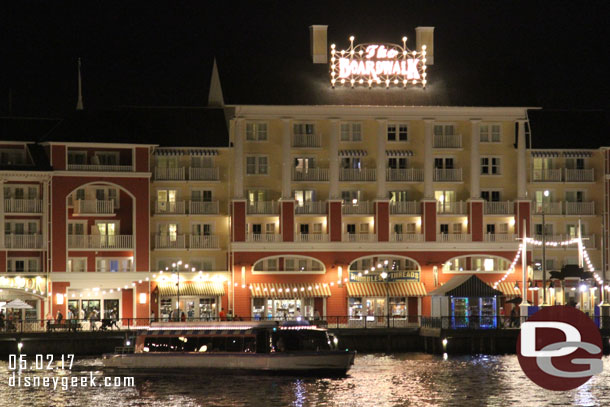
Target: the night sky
(159, 53)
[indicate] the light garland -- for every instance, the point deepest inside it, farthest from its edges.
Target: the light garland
(512, 266)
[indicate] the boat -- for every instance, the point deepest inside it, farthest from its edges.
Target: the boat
(294, 347)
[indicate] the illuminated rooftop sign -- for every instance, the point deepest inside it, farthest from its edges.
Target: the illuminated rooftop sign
(377, 65)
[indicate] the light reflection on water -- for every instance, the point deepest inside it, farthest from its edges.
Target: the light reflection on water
(375, 380)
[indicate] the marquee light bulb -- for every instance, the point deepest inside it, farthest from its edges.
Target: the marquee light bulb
(351, 38)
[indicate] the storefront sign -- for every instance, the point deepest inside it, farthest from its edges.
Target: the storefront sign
(37, 284)
(397, 275)
(378, 65)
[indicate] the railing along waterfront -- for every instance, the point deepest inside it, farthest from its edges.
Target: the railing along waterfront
(12, 205)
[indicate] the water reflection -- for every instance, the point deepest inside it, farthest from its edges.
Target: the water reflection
(375, 380)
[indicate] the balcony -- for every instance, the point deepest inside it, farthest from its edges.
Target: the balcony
(499, 208)
(454, 237)
(499, 237)
(22, 206)
(448, 175)
(203, 242)
(580, 208)
(549, 208)
(546, 175)
(311, 208)
(407, 237)
(22, 241)
(166, 241)
(359, 208)
(93, 207)
(204, 174)
(263, 237)
(169, 174)
(311, 237)
(452, 208)
(306, 140)
(405, 208)
(169, 208)
(100, 241)
(582, 175)
(554, 241)
(447, 141)
(310, 174)
(359, 237)
(405, 174)
(263, 208)
(203, 208)
(564, 208)
(100, 167)
(357, 174)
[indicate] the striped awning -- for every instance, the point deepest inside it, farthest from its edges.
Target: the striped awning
(184, 151)
(296, 290)
(399, 153)
(403, 289)
(184, 332)
(508, 289)
(577, 154)
(353, 153)
(204, 288)
(545, 153)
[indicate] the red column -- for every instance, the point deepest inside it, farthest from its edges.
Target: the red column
(238, 220)
(475, 219)
(428, 210)
(127, 305)
(382, 220)
(523, 210)
(287, 220)
(60, 288)
(334, 220)
(142, 309)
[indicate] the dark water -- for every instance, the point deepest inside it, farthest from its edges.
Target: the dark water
(375, 380)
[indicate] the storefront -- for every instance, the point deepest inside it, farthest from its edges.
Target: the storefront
(288, 301)
(94, 304)
(29, 289)
(198, 300)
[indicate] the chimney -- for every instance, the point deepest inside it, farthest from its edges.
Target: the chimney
(425, 36)
(319, 46)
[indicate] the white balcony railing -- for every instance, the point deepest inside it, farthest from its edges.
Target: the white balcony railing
(405, 174)
(546, 175)
(359, 237)
(448, 174)
(406, 208)
(22, 241)
(203, 242)
(452, 208)
(167, 241)
(453, 237)
(310, 174)
(357, 174)
(447, 141)
(499, 237)
(99, 167)
(359, 208)
(100, 241)
(204, 174)
(22, 206)
(306, 140)
(584, 175)
(203, 208)
(407, 237)
(580, 208)
(263, 208)
(264, 237)
(549, 208)
(311, 237)
(93, 207)
(310, 208)
(169, 174)
(499, 208)
(165, 207)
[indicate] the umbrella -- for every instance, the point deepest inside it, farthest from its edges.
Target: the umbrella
(516, 300)
(17, 304)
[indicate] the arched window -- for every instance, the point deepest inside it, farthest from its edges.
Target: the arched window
(370, 268)
(289, 264)
(476, 264)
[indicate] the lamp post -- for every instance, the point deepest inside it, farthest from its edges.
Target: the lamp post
(386, 277)
(546, 194)
(176, 268)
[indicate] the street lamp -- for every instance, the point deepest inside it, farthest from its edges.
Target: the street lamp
(386, 277)
(546, 194)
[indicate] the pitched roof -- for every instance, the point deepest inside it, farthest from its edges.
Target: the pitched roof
(466, 285)
(569, 129)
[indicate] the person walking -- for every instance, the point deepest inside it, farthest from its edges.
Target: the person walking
(59, 317)
(222, 314)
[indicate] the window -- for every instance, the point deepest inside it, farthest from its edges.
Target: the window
(105, 158)
(572, 230)
(351, 132)
(411, 228)
(257, 195)
(548, 229)
(22, 265)
(256, 228)
(444, 228)
(77, 264)
(575, 163)
(398, 132)
(202, 229)
(490, 165)
(80, 194)
(445, 197)
(490, 133)
(398, 228)
(112, 265)
(166, 200)
(12, 191)
(12, 157)
(303, 128)
(397, 163)
(575, 196)
(304, 195)
(317, 228)
(491, 229)
(457, 228)
(491, 196)
(270, 228)
(201, 195)
(256, 131)
(503, 228)
(443, 163)
(272, 265)
(302, 164)
(201, 161)
(77, 157)
(364, 228)
(350, 196)
(444, 129)
(21, 227)
(351, 228)
(76, 228)
(351, 162)
(304, 228)
(398, 196)
(256, 165)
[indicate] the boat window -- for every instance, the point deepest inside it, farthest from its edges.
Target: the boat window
(234, 344)
(301, 340)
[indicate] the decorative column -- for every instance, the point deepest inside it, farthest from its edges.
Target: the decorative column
(238, 204)
(334, 201)
(428, 203)
(382, 203)
(522, 204)
(287, 202)
(475, 203)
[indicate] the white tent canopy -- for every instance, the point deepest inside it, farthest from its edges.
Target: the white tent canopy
(17, 304)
